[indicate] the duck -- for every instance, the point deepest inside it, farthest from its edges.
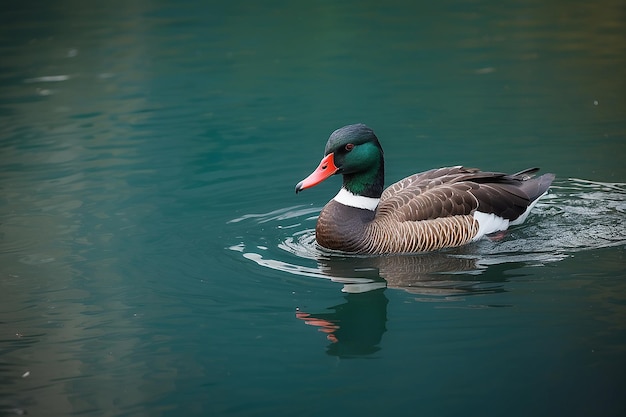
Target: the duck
(428, 211)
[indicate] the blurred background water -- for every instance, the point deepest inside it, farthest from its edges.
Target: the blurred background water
(154, 260)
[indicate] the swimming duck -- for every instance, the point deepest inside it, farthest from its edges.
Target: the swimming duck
(435, 209)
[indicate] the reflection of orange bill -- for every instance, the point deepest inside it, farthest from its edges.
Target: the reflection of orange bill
(325, 326)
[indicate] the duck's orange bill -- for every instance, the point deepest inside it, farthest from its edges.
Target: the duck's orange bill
(324, 170)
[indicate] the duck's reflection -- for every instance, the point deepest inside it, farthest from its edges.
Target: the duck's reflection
(439, 273)
(356, 327)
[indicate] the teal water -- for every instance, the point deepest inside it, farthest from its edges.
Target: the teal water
(155, 261)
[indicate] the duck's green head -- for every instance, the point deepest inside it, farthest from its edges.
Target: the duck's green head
(354, 152)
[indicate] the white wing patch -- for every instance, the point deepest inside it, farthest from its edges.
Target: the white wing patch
(525, 214)
(489, 223)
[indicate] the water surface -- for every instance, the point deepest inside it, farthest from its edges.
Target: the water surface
(154, 259)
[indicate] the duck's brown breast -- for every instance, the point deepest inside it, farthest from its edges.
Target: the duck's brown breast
(341, 227)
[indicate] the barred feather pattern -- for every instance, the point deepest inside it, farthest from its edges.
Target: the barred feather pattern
(418, 236)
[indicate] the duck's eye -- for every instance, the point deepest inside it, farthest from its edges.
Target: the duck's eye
(349, 147)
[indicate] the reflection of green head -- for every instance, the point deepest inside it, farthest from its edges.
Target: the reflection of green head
(362, 322)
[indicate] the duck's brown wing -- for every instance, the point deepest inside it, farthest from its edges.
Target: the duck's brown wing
(458, 191)
(426, 179)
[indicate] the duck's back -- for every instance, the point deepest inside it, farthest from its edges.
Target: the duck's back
(458, 190)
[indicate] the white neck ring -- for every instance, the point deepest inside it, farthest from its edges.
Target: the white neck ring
(347, 198)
